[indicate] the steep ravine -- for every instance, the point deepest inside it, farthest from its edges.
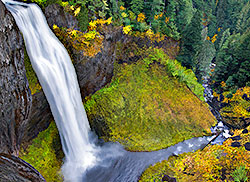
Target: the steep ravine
(121, 169)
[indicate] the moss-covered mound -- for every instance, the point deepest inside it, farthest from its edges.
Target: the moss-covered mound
(227, 162)
(145, 109)
(45, 154)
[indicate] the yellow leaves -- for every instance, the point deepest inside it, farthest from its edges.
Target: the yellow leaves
(109, 21)
(238, 105)
(214, 38)
(77, 11)
(122, 8)
(149, 33)
(208, 38)
(64, 4)
(93, 24)
(219, 29)
(126, 29)
(90, 43)
(141, 17)
(167, 20)
(124, 15)
(55, 26)
(72, 8)
(73, 33)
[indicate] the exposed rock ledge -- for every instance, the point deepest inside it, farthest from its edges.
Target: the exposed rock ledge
(16, 170)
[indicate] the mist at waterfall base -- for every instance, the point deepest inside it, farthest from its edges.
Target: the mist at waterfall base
(86, 159)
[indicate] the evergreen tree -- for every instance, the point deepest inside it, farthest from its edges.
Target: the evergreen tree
(191, 41)
(153, 7)
(184, 14)
(137, 6)
(243, 21)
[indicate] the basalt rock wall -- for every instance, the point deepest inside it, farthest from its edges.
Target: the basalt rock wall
(15, 96)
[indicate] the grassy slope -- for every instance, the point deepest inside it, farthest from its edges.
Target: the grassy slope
(145, 109)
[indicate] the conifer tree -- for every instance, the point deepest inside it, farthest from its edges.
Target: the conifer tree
(137, 6)
(184, 14)
(191, 41)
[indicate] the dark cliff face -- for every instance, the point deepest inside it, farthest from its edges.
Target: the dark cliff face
(15, 97)
(55, 14)
(16, 170)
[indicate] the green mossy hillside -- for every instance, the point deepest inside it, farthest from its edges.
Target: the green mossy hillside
(31, 75)
(45, 154)
(145, 108)
(214, 163)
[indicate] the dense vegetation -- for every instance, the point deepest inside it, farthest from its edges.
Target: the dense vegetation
(215, 31)
(149, 107)
(45, 154)
(215, 163)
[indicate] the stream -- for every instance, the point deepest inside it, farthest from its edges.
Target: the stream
(85, 161)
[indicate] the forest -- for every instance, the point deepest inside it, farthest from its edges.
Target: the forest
(143, 67)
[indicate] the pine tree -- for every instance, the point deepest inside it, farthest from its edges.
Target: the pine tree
(184, 14)
(191, 41)
(153, 7)
(137, 6)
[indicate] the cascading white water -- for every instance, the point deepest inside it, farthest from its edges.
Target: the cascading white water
(57, 76)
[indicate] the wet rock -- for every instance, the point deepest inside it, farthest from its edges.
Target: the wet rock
(14, 169)
(93, 73)
(245, 131)
(236, 138)
(168, 178)
(247, 146)
(236, 144)
(231, 133)
(15, 97)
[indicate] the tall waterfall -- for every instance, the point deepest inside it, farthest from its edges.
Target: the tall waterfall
(57, 76)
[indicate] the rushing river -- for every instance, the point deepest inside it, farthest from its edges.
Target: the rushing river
(84, 161)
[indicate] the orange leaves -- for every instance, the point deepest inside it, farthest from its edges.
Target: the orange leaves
(214, 38)
(141, 17)
(157, 16)
(207, 165)
(122, 8)
(223, 84)
(167, 20)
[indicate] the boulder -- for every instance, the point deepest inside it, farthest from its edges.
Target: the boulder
(15, 169)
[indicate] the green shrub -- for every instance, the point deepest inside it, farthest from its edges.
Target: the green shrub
(175, 69)
(45, 154)
(240, 174)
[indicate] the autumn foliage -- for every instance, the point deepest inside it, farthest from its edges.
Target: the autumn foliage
(214, 163)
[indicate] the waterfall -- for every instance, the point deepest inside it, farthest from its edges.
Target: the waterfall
(57, 76)
(52, 64)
